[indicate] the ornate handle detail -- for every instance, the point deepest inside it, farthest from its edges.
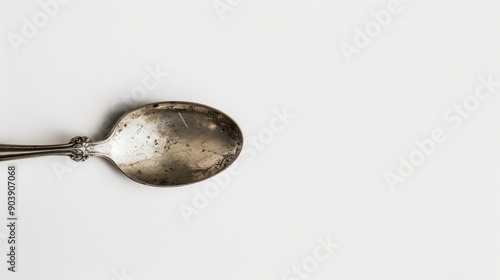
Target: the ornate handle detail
(78, 150)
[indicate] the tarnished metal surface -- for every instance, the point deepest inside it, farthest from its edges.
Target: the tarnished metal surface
(172, 143)
(161, 144)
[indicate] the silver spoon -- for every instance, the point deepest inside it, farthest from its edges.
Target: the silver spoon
(162, 144)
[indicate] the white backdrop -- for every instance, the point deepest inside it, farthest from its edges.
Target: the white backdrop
(372, 138)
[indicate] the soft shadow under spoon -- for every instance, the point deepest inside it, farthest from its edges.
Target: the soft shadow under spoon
(163, 144)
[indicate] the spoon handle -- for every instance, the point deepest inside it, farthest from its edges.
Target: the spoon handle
(77, 149)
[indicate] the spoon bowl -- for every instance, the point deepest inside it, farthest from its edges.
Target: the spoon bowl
(163, 144)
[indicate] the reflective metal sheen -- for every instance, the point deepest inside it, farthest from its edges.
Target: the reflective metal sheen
(162, 144)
